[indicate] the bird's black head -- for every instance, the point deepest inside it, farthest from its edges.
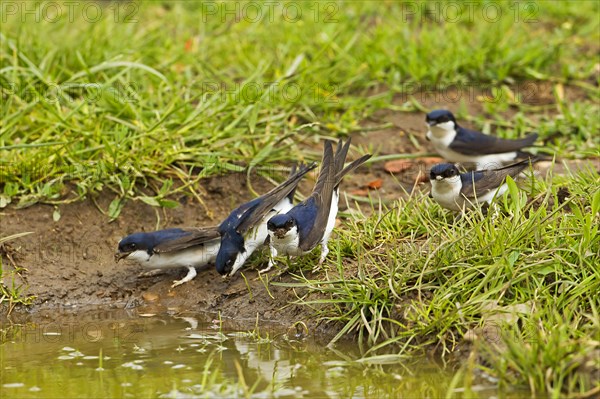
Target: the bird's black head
(281, 224)
(232, 244)
(135, 242)
(443, 171)
(439, 116)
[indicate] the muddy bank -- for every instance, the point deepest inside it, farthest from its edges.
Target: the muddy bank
(69, 265)
(69, 262)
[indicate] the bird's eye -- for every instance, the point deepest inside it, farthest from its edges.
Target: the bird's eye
(431, 176)
(289, 224)
(131, 247)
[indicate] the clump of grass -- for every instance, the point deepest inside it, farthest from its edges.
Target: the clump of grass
(11, 292)
(143, 102)
(521, 281)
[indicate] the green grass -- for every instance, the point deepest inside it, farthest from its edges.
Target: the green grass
(12, 293)
(519, 285)
(149, 97)
(143, 109)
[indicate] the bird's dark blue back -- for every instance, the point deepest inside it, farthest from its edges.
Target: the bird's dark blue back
(169, 234)
(236, 216)
(472, 142)
(152, 239)
(473, 137)
(471, 177)
(305, 214)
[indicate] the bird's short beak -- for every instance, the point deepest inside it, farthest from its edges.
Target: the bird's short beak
(431, 123)
(438, 178)
(120, 255)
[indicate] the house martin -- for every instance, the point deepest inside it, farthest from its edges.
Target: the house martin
(172, 248)
(456, 191)
(245, 229)
(311, 222)
(458, 144)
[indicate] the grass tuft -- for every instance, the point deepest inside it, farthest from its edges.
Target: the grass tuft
(12, 290)
(520, 283)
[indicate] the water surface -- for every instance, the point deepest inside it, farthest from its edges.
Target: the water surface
(133, 355)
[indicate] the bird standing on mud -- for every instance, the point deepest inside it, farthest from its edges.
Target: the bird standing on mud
(245, 229)
(311, 222)
(458, 144)
(172, 248)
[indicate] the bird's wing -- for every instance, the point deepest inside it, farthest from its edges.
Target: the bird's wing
(479, 183)
(320, 200)
(293, 170)
(471, 142)
(265, 203)
(237, 216)
(189, 237)
(353, 165)
(341, 152)
(305, 214)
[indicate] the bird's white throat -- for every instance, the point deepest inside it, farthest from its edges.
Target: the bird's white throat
(447, 192)
(442, 131)
(289, 244)
(139, 256)
(448, 184)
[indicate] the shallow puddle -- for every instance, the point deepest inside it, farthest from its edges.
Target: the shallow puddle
(120, 354)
